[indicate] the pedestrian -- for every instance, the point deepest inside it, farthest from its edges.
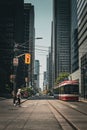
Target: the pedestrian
(19, 97)
(14, 97)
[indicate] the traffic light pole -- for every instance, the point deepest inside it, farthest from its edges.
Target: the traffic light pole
(15, 64)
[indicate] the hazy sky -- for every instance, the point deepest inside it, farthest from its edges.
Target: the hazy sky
(43, 18)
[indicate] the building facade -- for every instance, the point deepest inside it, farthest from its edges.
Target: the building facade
(74, 42)
(61, 32)
(74, 37)
(49, 70)
(82, 43)
(36, 74)
(79, 44)
(16, 38)
(29, 36)
(11, 32)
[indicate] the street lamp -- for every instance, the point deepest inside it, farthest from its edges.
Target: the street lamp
(39, 38)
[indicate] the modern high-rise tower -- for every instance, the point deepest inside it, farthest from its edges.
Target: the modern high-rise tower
(16, 38)
(74, 37)
(37, 74)
(79, 44)
(61, 36)
(11, 32)
(82, 44)
(29, 36)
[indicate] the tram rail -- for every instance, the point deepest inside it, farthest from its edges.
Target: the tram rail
(71, 124)
(62, 102)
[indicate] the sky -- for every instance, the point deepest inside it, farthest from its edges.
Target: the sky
(43, 19)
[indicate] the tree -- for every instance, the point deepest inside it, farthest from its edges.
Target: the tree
(62, 76)
(27, 91)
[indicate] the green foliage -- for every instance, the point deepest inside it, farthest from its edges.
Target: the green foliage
(62, 76)
(8, 88)
(28, 91)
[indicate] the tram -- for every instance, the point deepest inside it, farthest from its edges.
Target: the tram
(67, 90)
(56, 93)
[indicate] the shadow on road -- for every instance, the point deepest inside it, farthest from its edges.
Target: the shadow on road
(45, 97)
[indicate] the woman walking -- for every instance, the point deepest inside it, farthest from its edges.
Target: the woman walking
(19, 96)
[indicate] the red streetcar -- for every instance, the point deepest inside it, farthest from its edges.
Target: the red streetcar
(68, 90)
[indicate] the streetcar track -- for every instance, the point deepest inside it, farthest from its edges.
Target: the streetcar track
(73, 108)
(68, 121)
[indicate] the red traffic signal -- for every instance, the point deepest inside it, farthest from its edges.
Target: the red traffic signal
(27, 58)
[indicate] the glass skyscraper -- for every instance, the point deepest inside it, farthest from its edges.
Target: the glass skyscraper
(61, 32)
(74, 37)
(82, 44)
(11, 31)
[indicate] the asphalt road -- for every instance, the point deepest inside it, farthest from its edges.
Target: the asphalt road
(42, 113)
(32, 115)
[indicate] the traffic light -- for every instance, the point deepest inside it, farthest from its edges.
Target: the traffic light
(27, 58)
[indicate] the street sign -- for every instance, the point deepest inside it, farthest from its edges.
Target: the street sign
(12, 78)
(26, 79)
(15, 61)
(27, 58)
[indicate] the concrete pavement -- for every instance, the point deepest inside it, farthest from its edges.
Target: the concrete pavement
(32, 115)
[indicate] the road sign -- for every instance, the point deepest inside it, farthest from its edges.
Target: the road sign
(15, 61)
(27, 58)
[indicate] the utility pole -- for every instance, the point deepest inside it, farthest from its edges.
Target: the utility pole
(15, 64)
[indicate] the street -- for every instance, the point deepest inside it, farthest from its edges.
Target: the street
(32, 115)
(43, 114)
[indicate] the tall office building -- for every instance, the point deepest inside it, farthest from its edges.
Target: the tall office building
(74, 37)
(52, 57)
(36, 74)
(82, 43)
(16, 27)
(45, 80)
(11, 32)
(29, 36)
(61, 32)
(49, 68)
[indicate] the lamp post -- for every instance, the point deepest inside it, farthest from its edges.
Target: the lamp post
(39, 38)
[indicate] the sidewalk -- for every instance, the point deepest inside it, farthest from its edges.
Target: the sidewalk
(2, 98)
(82, 99)
(22, 100)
